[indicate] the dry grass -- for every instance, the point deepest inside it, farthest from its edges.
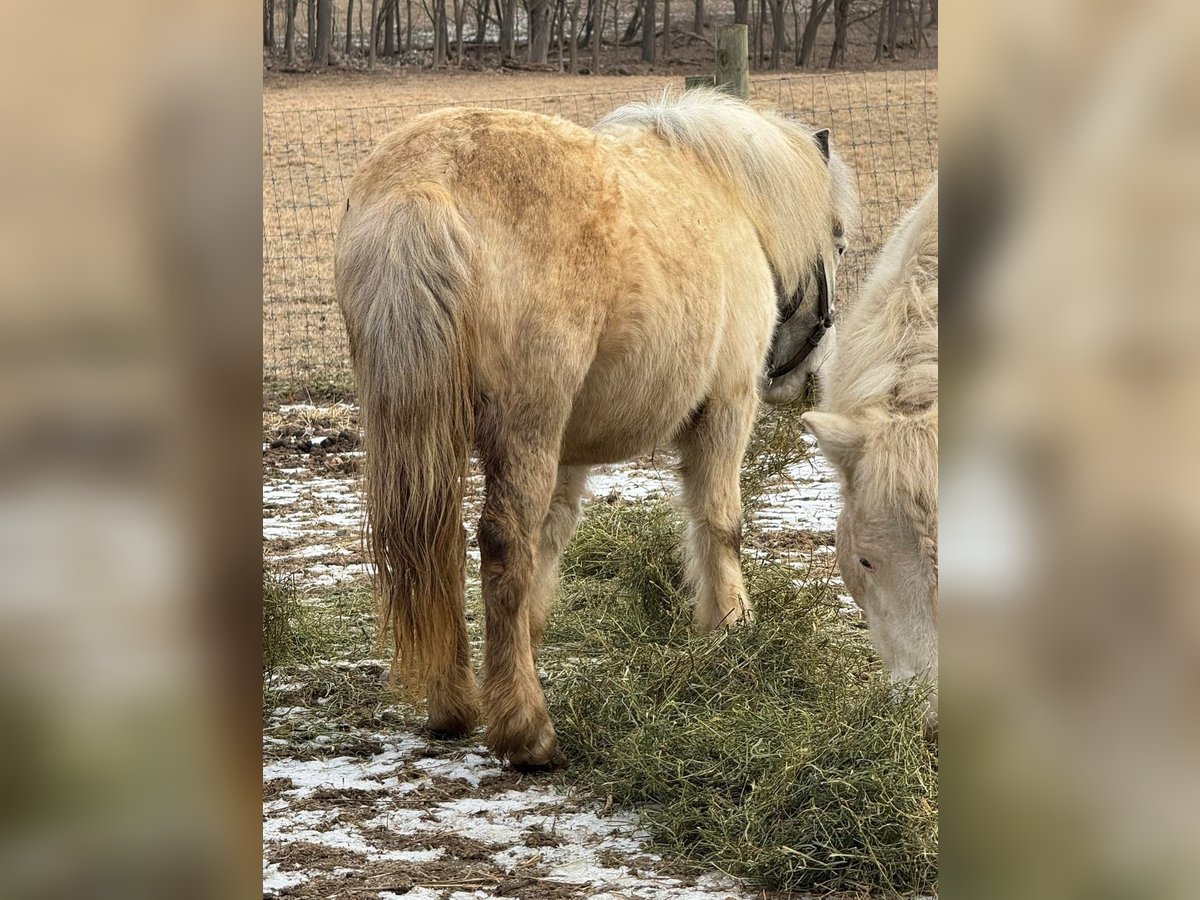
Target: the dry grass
(315, 134)
(778, 752)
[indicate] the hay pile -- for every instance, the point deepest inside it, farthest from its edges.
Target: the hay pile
(777, 752)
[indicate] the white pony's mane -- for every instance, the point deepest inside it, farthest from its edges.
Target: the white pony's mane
(886, 369)
(789, 191)
(887, 352)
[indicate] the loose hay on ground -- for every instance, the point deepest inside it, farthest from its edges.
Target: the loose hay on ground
(778, 752)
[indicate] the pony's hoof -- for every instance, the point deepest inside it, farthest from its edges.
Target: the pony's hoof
(452, 721)
(525, 753)
(522, 762)
(706, 621)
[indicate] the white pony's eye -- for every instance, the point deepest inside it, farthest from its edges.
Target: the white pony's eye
(866, 563)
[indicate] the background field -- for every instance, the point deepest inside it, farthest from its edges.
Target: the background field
(315, 132)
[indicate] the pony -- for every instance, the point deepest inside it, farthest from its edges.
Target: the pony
(552, 297)
(878, 427)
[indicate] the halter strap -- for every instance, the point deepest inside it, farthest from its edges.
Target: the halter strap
(824, 322)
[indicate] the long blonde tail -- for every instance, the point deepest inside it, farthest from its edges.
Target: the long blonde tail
(403, 270)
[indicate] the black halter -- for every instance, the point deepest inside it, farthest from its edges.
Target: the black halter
(824, 322)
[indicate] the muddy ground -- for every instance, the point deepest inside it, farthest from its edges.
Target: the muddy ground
(357, 802)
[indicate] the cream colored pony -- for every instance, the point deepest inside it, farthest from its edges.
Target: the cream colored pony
(553, 297)
(879, 428)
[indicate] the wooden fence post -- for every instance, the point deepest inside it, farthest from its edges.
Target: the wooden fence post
(733, 60)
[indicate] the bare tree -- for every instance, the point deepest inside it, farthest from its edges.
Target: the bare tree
(539, 30)
(374, 41)
(597, 33)
(841, 24)
(816, 12)
(439, 33)
(269, 24)
(349, 27)
(573, 46)
(389, 28)
(508, 18)
(311, 36)
(741, 12)
(648, 13)
(324, 32)
(778, 31)
(481, 23)
(289, 35)
(666, 48)
(460, 21)
(698, 18)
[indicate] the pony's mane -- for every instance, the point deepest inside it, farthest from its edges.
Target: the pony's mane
(887, 352)
(788, 190)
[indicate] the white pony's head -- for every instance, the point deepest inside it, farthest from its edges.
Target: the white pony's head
(887, 532)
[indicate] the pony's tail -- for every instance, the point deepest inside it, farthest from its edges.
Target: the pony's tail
(403, 271)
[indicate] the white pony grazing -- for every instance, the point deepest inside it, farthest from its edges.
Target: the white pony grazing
(879, 428)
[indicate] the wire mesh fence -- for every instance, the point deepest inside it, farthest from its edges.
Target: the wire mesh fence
(884, 123)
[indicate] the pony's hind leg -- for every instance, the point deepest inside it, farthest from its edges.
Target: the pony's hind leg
(557, 529)
(710, 452)
(520, 481)
(452, 703)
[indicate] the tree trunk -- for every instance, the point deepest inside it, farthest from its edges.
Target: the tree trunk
(741, 12)
(648, 12)
(698, 18)
(760, 19)
(539, 31)
(312, 29)
(597, 33)
(815, 14)
(269, 24)
(389, 28)
(289, 34)
(408, 29)
(841, 17)
(349, 28)
(666, 47)
(933, 5)
(324, 32)
(893, 26)
(573, 45)
(439, 33)
(883, 5)
(481, 23)
(508, 43)
(778, 28)
(635, 22)
(374, 41)
(460, 22)
(559, 23)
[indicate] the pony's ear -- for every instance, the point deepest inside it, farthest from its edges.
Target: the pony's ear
(839, 437)
(822, 139)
